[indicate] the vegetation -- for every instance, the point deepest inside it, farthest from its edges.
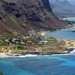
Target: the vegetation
(14, 43)
(52, 41)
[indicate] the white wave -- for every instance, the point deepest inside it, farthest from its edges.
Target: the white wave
(28, 55)
(3, 55)
(72, 52)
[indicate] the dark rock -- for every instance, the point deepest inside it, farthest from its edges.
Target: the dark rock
(24, 15)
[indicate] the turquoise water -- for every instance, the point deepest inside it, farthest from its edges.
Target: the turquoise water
(70, 19)
(40, 65)
(64, 33)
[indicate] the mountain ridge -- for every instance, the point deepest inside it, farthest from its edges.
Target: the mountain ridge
(63, 7)
(24, 15)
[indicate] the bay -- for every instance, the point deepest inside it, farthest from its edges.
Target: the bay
(68, 34)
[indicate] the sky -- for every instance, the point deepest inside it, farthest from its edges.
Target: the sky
(71, 1)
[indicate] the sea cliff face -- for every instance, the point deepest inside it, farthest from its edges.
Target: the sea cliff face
(24, 15)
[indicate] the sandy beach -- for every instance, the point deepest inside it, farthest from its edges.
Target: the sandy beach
(5, 55)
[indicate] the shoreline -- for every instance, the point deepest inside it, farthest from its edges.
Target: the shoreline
(5, 55)
(68, 50)
(61, 43)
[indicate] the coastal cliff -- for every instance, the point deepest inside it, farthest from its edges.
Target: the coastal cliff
(24, 15)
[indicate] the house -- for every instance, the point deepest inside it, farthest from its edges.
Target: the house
(41, 41)
(38, 49)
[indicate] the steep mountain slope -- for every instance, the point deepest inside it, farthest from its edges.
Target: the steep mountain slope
(63, 7)
(24, 15)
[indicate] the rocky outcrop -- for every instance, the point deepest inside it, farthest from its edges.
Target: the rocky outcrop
(24, 15)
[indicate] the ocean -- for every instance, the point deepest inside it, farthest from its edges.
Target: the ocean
(39, 65)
